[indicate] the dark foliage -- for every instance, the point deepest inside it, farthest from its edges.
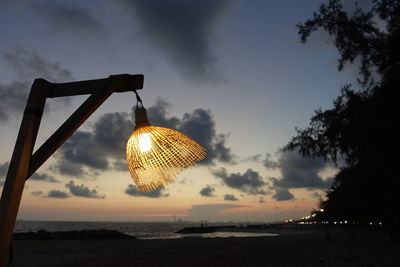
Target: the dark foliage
(360, 133)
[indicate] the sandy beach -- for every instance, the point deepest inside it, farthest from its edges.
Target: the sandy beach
(341, 247)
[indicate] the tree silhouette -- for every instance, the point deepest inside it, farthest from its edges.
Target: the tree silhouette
(360, 134)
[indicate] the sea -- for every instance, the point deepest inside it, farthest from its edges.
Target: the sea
(140, 230)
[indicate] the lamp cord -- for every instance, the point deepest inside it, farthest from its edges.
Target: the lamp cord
(138, 99)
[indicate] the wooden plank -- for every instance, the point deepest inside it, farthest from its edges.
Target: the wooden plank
(19, 164)
(135, 82)
(114, 83)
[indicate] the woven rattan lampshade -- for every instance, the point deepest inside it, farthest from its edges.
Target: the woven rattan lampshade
(156, 155)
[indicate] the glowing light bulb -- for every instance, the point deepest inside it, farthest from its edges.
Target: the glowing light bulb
(156, 155)
(144, 142)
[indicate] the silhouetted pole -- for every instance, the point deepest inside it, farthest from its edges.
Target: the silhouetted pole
(23, 164)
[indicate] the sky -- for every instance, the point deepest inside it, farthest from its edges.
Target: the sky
(233, 75)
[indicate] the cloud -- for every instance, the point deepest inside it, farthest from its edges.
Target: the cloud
(249, 182)
(269, 163)
(37, 193)
(182, 31)
(199, 125)
(27, 65)
(99, 150)
(57, 194)
(254, 158)
(282, 194)
(103, 148)
(35, 177)
(74, 21)
(66, 167)
(134, 191)
(81, 149)
(111, 132)
(207, 191)
(13, 99)
(230, 197)
(301, 172)
(159, 114)
(43, 177)
(83, 191)
(211, 211)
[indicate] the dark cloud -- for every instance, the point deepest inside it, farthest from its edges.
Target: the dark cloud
(199, 125)
(134, 191)
(159, 115)
(110, 129)
(83, 191)
(301, 172)
(103, 148)
(211, 211)
(37, 193)
(282, 194)
(74, 21)
(57, 194)
(230, 197)
(13, 99)
(207, 191)
(182, 31)
(81, 149)
(27, 65)
(255, 158)
(98, 150)
(249, 182)
(66, 167)
(43, 177)
(269, 163)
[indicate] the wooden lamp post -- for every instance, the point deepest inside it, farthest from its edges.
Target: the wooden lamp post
(23, 163)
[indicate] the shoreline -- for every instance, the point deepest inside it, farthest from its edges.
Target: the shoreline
(344, 247)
